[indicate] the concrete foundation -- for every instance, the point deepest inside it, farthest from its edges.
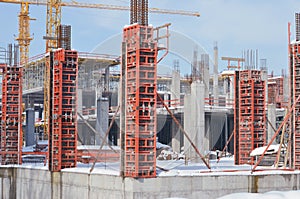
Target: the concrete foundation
(24, 183)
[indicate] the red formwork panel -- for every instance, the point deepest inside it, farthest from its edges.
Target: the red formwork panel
(140, 121)
(295, 84)
(11, 118)
(64, 110)
(250, 115)
(69, 109)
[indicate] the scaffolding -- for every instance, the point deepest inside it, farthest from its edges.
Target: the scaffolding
(11, 118)
(63, 109)
(250, 114)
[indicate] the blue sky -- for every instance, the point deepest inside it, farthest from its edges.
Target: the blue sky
(235, 24)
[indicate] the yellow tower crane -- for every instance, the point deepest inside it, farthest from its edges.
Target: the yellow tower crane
(53, 22)
(24, 37)
(54, 18)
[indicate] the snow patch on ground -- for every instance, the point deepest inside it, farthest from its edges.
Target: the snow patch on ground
(267, 195)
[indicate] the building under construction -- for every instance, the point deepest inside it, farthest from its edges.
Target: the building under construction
(88, 125)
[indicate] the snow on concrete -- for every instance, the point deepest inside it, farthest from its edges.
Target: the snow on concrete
(259, 151)
(267, 195)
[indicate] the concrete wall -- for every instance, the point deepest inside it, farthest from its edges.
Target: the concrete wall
(24, 183)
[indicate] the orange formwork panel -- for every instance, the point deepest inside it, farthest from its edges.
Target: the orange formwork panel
(249, 114)
(295, 92)
(63, 121)
(140, 119)
(11, 118)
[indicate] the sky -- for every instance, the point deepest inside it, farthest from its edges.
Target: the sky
(236, 25)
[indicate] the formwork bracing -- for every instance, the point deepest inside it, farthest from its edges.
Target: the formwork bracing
(140, 98)
(11, 119)
(250, 115)
(63, 109)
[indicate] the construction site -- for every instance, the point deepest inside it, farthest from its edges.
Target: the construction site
(90, 125)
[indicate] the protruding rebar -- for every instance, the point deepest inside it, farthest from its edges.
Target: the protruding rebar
(297, 23)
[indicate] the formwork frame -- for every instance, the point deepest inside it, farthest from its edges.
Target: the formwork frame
(275, 92)
(63, 112)
(250, 114)
(11, 118)
(140, 98)
(295, 92)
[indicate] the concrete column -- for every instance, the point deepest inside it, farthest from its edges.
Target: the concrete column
(231, 89)
(79, 100)
(264, 77)
(187, 124)
(102, 119)
(194, 117)
(286, 89)
(216, 80)
(29, 136)
(175, 137)
(175, 95)
(272, 120)
(205, 61)
(175, 85)
(106, 80)
(226, 88)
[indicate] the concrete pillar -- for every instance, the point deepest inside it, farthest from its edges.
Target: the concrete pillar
(29, 135)
(175, 85)
(106, 80)
(286, 89)
(175, 95)
(175, 137)
(272, 120)
(264, 77)
(231, 89)
(205, 63)
(187, 124)
(226, 88)
(194, 117)
(216, 80)
(102, 119)
(79, 100)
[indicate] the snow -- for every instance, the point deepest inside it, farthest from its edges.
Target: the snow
(259, 151)
(267, 195)
(96, 147)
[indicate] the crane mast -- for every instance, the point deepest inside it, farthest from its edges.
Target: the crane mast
(24, 33)
(53, 22)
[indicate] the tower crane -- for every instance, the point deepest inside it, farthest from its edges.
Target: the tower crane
(54, 18)
(24, 37)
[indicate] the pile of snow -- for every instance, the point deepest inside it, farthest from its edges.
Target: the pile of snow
(271, 150)
(165, 152)
(268, 195)
(170, 155)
